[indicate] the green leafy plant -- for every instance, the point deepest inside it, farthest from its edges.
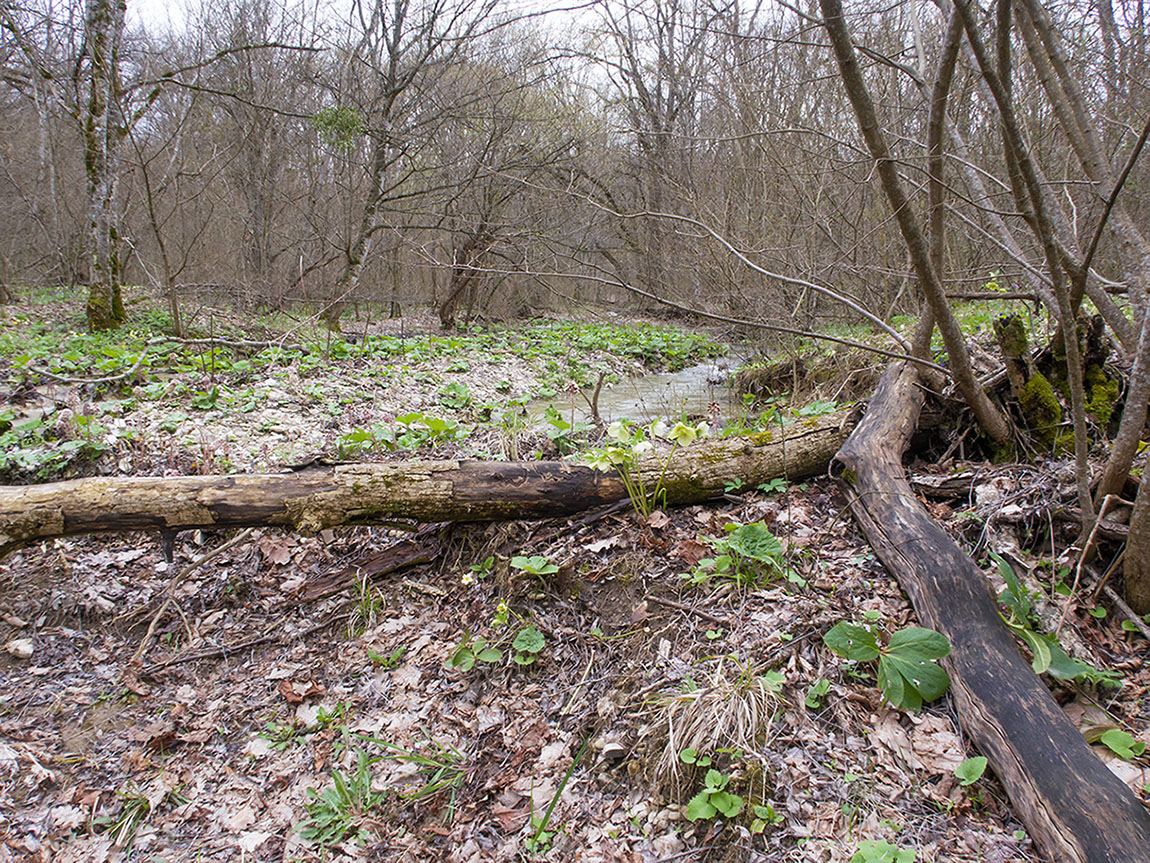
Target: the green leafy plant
(342, 812)
(1122, 743)
(881, 851)
(631, 443)
(749, 555)
(385, 663)
(368, 602)
(564, 432)
(440, 768)
(908, 673)
(765, 816)
(528, 643)
(535, 565)
(816, 692)
(471, 650)
(479, 570)
(135, 807)
(774, 486)
(280, 735)
(1048, 655)
(455, 395)
(692, 757)
(971, 770)
(714, 799)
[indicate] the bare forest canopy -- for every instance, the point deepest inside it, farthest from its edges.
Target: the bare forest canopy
(477, 157)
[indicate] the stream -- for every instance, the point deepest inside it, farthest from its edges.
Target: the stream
(688, 392)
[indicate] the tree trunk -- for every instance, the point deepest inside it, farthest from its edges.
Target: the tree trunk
(104, 25)
(989, 417)
(1072, 805)
(312, 499)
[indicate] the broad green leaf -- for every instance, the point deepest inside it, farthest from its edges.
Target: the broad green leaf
(529, 640)
(919, 642)
(881, 851)
(773, 680)
(727, 803)
(700, 807)
(716, 781)
(756, 542)
(491, 654)
(894, 688)
(1039, 646)
(1123, 744)
(853, 642)
(924, 675)
(971, 770)
(463, 659)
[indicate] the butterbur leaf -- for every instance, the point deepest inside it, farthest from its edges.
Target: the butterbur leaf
(491, 654)
(716, 781)
(971, 770)
(699, 807)
(852, 642)
(729, 804)
(1123, 744)
(529, 640)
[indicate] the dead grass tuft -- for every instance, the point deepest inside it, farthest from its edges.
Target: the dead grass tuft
(731, 712)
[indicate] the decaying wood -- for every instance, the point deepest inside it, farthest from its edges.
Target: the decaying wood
(1073, 806)
(319, 497)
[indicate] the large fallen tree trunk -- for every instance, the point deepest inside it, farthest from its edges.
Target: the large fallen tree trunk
(315, 498)
(1074, 808)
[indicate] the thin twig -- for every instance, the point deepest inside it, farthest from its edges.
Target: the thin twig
(1082, 560)
(146, 641)
(273, 633)
(109, 380)
(670, 603)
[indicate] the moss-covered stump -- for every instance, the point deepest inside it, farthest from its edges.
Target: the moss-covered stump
(1041, 409)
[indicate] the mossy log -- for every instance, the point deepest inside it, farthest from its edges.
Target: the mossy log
(1074, 808)
(315, 498)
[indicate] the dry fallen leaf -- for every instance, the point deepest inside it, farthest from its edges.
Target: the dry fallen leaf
(295, 691)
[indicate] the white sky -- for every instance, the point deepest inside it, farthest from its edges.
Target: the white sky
(156, 16)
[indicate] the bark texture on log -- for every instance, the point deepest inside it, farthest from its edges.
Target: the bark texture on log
(1073, 806)
(312, 499)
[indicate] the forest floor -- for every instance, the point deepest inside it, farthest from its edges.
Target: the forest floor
(468, 709)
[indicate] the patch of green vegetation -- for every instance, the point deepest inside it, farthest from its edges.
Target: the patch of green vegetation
(1101, 394)
(1041, 408)
(55, 447)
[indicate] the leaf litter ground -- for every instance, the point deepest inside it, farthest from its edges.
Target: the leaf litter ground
(252, 703)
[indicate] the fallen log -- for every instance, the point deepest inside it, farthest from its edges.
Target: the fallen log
(314, 498)
(1074, 808)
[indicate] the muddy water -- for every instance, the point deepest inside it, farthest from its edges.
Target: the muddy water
(673, 395)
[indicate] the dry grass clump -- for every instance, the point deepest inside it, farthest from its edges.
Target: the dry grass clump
(730, 712)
